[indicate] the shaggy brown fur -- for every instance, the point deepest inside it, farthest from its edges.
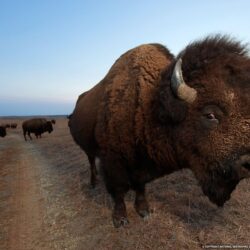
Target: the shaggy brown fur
(140, 130)
(146, 59)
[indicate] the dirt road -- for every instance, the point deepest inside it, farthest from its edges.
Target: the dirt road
(35, 204)
(23, 204)
(46, 203)
(42, 202)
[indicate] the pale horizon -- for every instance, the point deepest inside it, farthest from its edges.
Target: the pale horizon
(52, 51)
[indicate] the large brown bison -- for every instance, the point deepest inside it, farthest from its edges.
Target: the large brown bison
(154, 114)
(36, 126)
(2, 131)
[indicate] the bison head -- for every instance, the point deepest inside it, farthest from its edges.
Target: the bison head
(205, 98)
(49, 126)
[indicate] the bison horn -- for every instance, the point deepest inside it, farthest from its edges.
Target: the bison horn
(179, 87)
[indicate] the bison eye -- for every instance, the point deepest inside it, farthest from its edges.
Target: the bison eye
(211, 117)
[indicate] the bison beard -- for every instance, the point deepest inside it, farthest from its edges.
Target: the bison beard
(154, 114)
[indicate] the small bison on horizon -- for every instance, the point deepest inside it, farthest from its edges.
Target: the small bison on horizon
(37, 126)
(154, 114)
(6, 125)
(13, 125)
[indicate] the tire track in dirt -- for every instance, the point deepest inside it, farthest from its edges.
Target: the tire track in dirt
(23, 212)
(39, 207)
(41, 203)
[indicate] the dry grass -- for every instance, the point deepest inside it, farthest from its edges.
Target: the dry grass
(78, 217)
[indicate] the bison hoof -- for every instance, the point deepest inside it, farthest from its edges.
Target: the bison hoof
(142, 209)
(144, 213)
(120, 221)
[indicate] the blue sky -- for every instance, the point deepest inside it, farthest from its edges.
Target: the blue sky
(53, 50)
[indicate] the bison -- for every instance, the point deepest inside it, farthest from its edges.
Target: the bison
(6, 125)
(155, 113)
(13, 125)
(2, 131)
(36, 126)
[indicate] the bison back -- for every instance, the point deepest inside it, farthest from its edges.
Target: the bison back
(107, 114)
(33, 125)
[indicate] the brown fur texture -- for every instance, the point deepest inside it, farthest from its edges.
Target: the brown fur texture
(140, 130)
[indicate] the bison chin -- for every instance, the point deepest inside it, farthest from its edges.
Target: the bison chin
(221, 178)
(219, 181)
(219, 192)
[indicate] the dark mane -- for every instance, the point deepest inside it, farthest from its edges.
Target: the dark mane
(213, 50)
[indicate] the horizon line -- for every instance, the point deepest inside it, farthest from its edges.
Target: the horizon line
(14, 116)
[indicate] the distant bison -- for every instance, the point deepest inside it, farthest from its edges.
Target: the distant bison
(36, 126)
(13, 125)
(154, 114)
(2, 131)
(6, 125)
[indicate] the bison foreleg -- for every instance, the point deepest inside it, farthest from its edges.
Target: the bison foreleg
(119, 213)
(141, 204)
(29, 135)
(93, 171)
(24, 135)
(117, 183)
